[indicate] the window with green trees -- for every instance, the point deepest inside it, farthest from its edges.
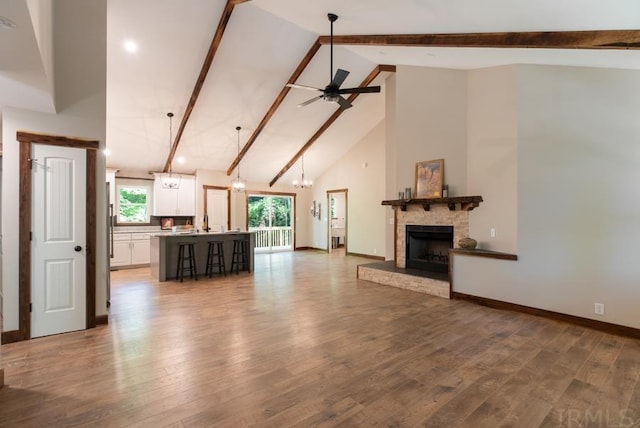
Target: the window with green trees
(133, 203)
(269, 211)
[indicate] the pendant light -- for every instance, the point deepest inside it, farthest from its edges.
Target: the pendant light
(303, 183)
(238, 184)
(170, 180)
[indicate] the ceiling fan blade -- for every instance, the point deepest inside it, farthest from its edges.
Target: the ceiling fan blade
(309, 88)
(339, 78)
(344, 103)
(310, 101)
(365, 90)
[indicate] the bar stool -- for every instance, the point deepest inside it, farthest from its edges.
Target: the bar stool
(240, 255)
(190, 257)
(215, 258)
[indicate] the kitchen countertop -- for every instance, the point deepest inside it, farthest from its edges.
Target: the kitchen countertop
(195, 234)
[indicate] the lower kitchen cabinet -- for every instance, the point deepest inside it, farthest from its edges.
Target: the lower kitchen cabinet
(130, 249)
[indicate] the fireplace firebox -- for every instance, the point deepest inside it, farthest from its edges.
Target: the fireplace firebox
(428, 247)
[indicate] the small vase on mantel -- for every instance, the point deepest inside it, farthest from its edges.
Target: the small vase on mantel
(467, 243)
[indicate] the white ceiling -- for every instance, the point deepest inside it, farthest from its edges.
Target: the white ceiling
(264, 42)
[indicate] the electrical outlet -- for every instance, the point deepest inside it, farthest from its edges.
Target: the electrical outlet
(375, 251)
(599, 308)
(493, 232)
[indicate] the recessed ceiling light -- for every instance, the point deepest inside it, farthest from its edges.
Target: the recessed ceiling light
(7, 23)
(130, 46)
(181, 160)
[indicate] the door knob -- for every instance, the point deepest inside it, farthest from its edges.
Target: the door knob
(77, 248)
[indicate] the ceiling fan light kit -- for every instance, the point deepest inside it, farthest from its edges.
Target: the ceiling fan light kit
(168, 179)
(238, 184)
(332, 92)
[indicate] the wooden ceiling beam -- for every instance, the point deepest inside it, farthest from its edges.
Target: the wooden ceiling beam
(598, 39)
(276, 104)
(366, 82)
(204, 71)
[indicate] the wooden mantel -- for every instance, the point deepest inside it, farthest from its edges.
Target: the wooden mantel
(464, 203)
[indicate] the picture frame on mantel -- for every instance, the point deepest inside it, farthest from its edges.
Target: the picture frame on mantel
(429, 178)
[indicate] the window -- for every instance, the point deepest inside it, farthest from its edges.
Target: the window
(134, 202)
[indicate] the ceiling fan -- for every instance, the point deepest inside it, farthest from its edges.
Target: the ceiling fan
(332, 92)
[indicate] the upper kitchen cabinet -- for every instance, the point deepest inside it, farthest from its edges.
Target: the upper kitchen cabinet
(175, 202)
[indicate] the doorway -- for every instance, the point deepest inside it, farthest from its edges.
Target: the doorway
(337, 224)
(90, 147)
(270, 216)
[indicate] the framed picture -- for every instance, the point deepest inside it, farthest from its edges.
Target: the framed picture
(166, 223)
(429, 175)
(319, 210)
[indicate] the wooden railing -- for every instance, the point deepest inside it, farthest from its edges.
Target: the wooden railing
(275, 237)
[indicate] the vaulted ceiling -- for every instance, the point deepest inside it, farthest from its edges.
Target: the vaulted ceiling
(258, 50)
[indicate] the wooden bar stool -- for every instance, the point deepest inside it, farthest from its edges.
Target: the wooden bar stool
(215, 258)
(240, 257)
(190, 257)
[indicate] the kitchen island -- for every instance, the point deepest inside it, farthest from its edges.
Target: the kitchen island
(164, 250)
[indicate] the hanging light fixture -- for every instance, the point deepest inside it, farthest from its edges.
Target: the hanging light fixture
(303, 183)
(170, 180)
(238, 184)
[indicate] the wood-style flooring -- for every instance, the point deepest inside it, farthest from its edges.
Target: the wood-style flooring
(302, 342)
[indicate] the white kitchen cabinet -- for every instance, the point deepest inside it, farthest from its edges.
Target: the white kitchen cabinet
(131, 249)
(175, 202)
(121, 249)
(140, 248)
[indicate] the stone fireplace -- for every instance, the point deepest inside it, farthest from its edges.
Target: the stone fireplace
(438, 215)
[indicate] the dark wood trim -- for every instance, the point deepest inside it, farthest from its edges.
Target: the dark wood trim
(206, 187)
(599, 39)
(304, 249)
(367, 256)
(1, 378)
(91, 243)
(466, 203)
(477, 252)
(275, 105)
(204, 71)
(24, 243)
(395, 236)
(617, 329)
(268, 193)
(102, 320)
(25, 139)
(58, 140)
(11, 336)
(374, 73)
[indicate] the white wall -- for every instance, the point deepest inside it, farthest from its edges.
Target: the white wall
(431, 123)
(362, 172)
(578, 169)
(492, 156)
(79, 44)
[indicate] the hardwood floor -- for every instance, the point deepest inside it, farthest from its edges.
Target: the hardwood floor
(302, 342)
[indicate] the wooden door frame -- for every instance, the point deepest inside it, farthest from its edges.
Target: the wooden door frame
(346, 217)
(209, 187)
(24, 252)
(267, 193)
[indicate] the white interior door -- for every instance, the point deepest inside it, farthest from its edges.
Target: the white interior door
(217, 208)
(58, 245)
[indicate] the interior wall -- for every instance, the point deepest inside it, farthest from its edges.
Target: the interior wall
(578, 197)
(80, 33)
(391, 188)
(362, 172)
(431, 123)
(492, 156)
